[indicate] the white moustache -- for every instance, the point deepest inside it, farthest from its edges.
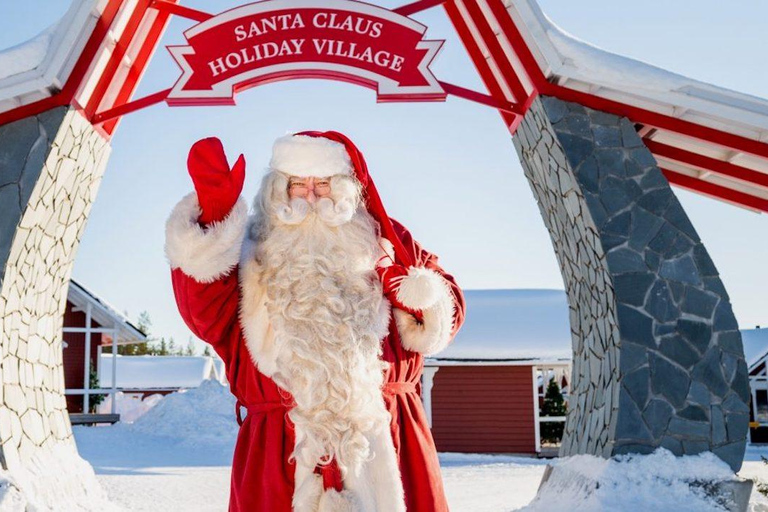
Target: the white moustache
(331, 213)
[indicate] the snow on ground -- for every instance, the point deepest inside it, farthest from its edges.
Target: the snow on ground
(55, 478)
(150, 473)
(659, 481)
(199, 417)
(144, 473)
(177, 458)
(489, 483)
(757, 470)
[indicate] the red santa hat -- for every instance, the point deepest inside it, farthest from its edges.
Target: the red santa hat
(323, 154)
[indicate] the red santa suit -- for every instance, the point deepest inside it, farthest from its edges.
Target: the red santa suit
(220, 297)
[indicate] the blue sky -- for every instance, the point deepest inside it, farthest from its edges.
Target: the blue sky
(448, 170)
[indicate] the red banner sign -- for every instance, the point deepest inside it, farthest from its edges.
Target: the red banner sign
(283, 39)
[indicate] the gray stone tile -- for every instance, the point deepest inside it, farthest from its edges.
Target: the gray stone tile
(709, 371)
(680, 269)
(660, 304)
(632, 287)
(657, 415)
(669, 380)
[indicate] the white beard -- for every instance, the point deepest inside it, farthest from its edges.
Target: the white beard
(328, 314)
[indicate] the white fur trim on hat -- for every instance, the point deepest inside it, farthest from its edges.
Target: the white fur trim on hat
(302, 155)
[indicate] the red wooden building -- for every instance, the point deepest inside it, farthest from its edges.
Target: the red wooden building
(483, 393)
(89, 324)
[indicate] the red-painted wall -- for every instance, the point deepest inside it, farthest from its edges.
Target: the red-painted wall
(483, 409)
(74, 355)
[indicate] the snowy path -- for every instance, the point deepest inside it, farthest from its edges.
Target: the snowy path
(488, 483)
(141, 473)
(144, 473)
(177, 457)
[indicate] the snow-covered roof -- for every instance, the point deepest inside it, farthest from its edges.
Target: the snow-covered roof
(533, 325)
(158, 372)
(92, 58)
(583, 66)
(570, 64)
(39, 68)
(755, 346)
(512, 325)
(104, 314)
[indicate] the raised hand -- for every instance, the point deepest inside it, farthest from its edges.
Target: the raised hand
(217, 186)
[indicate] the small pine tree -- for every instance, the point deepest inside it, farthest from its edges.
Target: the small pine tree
(141, 349)
(144, 324)
(207, 350)
(190, 351)
(554, 405)
(93, 383)
(171, 347)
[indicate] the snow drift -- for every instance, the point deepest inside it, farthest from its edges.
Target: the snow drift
(200, 416)
(130, 406)
(659, 481)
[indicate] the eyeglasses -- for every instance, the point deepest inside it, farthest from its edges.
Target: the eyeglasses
(301, 187)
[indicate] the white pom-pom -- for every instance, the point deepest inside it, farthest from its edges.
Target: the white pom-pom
(421, 288)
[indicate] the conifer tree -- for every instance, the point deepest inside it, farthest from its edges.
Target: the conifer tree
(554, 405)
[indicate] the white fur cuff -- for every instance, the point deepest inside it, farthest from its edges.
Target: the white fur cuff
(427, 291)
(421, 288)
(205, 254)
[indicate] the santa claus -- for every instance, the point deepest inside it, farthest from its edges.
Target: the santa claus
(322, 308)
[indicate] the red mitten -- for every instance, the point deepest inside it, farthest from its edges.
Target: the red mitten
(217, 187)
(391, 277)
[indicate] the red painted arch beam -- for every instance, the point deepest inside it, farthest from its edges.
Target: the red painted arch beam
(515, 38)
(418, 6)
(108, 75)
(508, 72)
(172, 7)
(712, 189)
(139, 65)
(479, 97)
(115, 113)
(711, 164)
(510, 120)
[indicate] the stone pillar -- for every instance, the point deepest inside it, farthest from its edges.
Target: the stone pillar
(50, 169)
(657, 354)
